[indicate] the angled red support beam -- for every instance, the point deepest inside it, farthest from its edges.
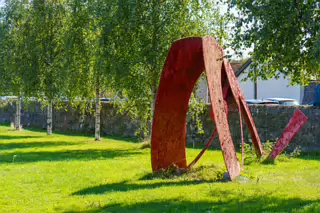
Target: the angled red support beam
(213, 58)
(295, 123)
(242, 105)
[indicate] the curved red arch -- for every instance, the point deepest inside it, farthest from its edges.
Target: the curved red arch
(183, 66)
(185, 62)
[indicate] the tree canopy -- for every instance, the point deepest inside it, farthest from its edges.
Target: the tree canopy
(76, 49)
(284, 35)
(148, 30)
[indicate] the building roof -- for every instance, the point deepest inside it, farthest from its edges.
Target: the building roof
(236, 66)
(239, 67)
(243, 67)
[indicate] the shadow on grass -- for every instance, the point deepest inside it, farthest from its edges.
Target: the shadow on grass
(17, 137)
(309, 156)
(233, 203)
(124, 187)
(201, 146)
(8, 146)
(204, 173)
(63, 133)
(79, 155)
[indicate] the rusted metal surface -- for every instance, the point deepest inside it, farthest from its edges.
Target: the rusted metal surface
(242, 105)
(296, 122)
(251, 127)
(242, 141)
(182, 68)
(213, 57)
(185, 62)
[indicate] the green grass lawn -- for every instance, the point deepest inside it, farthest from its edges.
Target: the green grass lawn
(72, 173)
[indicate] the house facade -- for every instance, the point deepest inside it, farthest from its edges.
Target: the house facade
(262, 89)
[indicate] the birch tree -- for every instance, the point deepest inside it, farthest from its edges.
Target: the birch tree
(47, 23)
(149, 29)
(91, 41)
(14, 53)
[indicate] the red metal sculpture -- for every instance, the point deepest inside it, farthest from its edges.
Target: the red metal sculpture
(295, 123)
(186, 60)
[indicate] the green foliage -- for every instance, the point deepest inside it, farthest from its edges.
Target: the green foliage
(14, 49)
(202, 174)
(74, 49)
(148, 30)
(195, 111)
(90, 39)
(47, 24)
(3, 104)
(284, 35)
(295, 153)
(250, 156)
(146, 144)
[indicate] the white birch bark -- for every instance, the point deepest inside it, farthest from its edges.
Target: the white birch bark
(18, 114)
(49, 118)
(82, 117)
(97, 123)
(153, 103)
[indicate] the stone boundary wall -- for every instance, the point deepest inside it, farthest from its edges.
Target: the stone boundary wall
(270, 122)
(34, 115)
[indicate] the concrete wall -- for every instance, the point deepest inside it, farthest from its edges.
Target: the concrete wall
(270, 122)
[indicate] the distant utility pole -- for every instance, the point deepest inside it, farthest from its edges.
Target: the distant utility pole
(255, 89)
(255, 86)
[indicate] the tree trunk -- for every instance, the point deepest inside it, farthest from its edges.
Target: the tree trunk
(154, 77)
(18, 114)
(82, 117)
(49, 118)
(97, 124)
(153, 101)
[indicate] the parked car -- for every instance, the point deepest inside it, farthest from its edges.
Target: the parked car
(106, 100)
(284, 101)
(8, 98)
(258, 101)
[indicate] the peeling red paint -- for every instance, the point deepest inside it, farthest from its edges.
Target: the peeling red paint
(295, 123)
(185, 62)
